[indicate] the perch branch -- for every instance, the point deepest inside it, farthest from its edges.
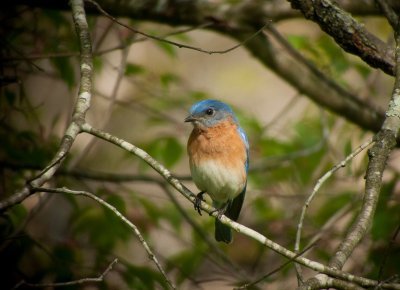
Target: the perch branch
(234, 225)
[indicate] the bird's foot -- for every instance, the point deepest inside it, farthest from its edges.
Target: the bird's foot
(220, 211)
(197, 202)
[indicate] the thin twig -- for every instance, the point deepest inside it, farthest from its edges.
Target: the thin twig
(120, 216)
(180, 45)
(225, 220)
(276, 270)
(391, 15)
(385, 141)
(316, 188)
(81, 107)
(70, 283)
(105, 50)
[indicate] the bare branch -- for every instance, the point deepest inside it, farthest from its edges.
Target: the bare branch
(385, 141)
(316, 188)
(378, 155)
(276, 270)
(180, 45)
(323, 281)
(81, 107)
(241, 21)
(389, 12)
(348, 33)
(234, 225)
(70, 283)
(120, 216)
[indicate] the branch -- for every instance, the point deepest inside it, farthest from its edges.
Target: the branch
(385, 141)
(177, 44)
(213, 248)
(234, 225)
(276, 10)
(323, 281)
(120, 216)
(241, 22)
(276, 270)
(316, 188)
(81, 107)
(70, 283)
(388, 11)
(348, 33)
(378, 155)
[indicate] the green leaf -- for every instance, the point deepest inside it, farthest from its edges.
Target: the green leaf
(143, 278)
(173, 151)
(17, 214)
(308, 132)
(134, 69)
(97, 64)
(264, 210)
(188, 262)
(103, 227)
(363, 70)
(152, 210)
(338, 60)
(387, 214)
(57, 18)
(169, 49)
(198, 95)
(331, 206)
(304, 44)
(168, 150)
(118, 202)
(168, 78)
(298, 41)
(65, 69)
(348, 148)
(182, 37)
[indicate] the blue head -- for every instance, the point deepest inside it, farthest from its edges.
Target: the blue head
(208, 113)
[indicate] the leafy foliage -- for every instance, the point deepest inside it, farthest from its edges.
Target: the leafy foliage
(58, 239)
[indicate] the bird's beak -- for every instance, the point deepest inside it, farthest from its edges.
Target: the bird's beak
(190, 119)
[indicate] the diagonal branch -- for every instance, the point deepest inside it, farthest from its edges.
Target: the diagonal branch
(348, 33)
(133, 227)
(389, 12)
(234, 225)
(241, 21)
(378, 155)
(316, 188)
(385, 141)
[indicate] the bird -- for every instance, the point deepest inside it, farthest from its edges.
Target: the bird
(218, 151)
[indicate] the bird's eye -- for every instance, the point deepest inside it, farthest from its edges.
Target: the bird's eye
(210, 111)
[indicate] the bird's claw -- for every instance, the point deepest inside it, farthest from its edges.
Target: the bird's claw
(197, 202)
(220, 211)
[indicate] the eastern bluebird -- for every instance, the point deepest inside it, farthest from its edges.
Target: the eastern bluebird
(219, 159)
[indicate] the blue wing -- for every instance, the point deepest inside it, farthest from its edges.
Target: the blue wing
(222, 232)
(246, 142)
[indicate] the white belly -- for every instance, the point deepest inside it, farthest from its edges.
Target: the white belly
(220, 183)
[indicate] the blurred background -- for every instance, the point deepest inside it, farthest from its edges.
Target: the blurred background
(142, 91)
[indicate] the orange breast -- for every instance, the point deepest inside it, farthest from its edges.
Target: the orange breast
(221, 143)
